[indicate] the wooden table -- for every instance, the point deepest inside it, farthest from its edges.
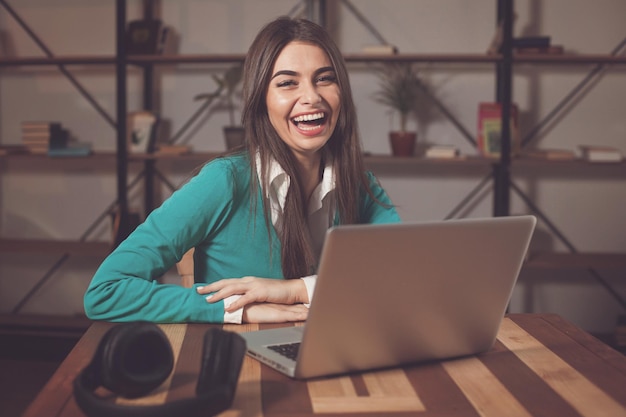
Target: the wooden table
(541, 365)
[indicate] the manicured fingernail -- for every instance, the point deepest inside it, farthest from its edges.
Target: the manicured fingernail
(208, 297)
(199, 289)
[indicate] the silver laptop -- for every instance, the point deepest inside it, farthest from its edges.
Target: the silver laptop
(388, 295)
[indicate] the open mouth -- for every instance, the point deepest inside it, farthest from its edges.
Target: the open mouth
(309, 121)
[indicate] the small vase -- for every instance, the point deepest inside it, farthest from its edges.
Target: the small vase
(402, 143)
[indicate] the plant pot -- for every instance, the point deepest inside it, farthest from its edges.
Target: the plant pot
(234, 136)
(402, 143)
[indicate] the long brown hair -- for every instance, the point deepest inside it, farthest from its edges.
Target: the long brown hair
(343, 147)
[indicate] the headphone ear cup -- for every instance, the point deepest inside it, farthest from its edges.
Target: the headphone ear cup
(136, 358)
(222, 358)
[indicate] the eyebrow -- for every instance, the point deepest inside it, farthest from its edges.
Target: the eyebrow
(294, 73)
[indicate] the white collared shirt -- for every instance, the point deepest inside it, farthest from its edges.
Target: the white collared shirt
(320, 217)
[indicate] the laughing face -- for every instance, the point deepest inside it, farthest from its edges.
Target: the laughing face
(303, 98)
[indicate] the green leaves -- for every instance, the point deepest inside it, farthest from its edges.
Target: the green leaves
(398, 89)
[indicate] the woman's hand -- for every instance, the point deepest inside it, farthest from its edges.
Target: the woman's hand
(274, 313)
(256, 290)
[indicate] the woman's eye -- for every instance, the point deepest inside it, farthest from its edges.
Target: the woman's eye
(286, 83)
(327, 79)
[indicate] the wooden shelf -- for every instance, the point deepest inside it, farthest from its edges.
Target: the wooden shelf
(574, 162)
(576, 260)
(453, 58)
(429, 58)
(370, 159)
(235, 58)
(189, 156)
(102, 155)
(350, 58)
(385, 159)
(222, 58)
(55, 247)
(465, 161)
(59, 60)
(186, 59)
(570, 58)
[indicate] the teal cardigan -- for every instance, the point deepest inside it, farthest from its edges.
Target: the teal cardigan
(213, 212)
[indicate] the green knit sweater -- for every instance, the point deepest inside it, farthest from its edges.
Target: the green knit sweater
(213, 212)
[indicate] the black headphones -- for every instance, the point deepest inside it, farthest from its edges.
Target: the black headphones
(132, 359)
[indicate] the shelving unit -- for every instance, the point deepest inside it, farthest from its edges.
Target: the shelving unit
(58, 247)
(500, 171)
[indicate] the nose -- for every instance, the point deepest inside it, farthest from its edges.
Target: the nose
(310, 95)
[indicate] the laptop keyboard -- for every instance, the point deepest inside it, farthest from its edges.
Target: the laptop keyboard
(289, 350)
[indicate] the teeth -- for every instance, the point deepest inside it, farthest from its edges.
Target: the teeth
(309, 117)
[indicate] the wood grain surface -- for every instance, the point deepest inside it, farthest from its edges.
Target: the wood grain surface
(540, 365)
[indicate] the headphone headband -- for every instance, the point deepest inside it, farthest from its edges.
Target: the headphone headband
(132, 359)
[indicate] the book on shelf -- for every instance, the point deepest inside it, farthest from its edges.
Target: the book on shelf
(38, 129)
(72, 150)
(38, 125)
(385, 49)
(551, 154)
(546, 50)
(40, 136)
(173, 149)
(13, 149)
(38, 150)
(595, 153)
(442, 152)
(531, 42)
(528, 45)
(490, 129)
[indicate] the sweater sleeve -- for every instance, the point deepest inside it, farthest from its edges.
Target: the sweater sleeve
(124, 288)
(380, 210)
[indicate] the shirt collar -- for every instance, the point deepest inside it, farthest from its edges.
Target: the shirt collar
(323, 188)
(279, 182)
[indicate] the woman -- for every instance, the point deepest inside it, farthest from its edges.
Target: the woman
(261, 212)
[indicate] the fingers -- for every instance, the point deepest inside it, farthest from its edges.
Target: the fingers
(254, 290)
(240, 302)
(298, 313)
(222, 289)
(216, 286)
(274, 313)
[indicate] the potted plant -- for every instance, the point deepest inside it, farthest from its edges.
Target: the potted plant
(227, 89)
(399, 89)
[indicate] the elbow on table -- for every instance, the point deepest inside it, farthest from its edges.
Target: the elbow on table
(97, 302)
(93, 307)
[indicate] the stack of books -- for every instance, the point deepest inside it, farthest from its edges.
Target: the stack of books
(442, 152)
(536, 45)
(595, 153)
(40, 137)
